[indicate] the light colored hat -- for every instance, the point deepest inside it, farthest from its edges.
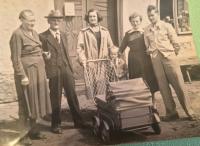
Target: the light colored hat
(55, 14)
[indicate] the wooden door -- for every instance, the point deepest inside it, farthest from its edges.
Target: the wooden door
(72, 25)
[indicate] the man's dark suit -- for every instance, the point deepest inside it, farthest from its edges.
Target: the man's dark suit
(60, 74)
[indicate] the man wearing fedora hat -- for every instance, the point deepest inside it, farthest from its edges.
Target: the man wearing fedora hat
(59, 71)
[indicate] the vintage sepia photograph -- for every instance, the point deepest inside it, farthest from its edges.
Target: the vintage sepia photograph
(97, 72)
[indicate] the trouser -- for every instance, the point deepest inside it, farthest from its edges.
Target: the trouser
(63, 79)
(167, 71)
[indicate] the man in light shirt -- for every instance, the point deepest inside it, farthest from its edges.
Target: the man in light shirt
(163, 47)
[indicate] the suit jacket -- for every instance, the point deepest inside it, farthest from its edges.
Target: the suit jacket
(23, 46)
(49, 44)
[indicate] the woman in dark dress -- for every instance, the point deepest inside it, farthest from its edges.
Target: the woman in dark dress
(139, 63)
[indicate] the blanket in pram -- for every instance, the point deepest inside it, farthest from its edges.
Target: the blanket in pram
(126, 94)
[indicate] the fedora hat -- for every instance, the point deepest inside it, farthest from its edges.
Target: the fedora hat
(55, 14)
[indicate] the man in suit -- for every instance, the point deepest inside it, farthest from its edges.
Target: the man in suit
(59, 71)
(162, 45)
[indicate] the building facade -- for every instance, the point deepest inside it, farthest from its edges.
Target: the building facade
(115, 17)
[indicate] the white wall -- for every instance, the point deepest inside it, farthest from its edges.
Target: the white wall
(130, 6)
(9, 11)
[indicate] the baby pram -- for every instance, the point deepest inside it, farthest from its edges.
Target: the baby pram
(121, 105)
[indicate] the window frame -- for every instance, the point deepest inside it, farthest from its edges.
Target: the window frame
(175, 15)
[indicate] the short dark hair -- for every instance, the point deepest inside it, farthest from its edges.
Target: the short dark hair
(134, 15)
(22, 14)
(99, 17)
(152, 7)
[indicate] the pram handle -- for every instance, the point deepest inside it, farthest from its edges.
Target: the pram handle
(95, 60)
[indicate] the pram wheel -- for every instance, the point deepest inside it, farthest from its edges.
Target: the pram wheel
(156, 128)
(96, 126)
(105, 132)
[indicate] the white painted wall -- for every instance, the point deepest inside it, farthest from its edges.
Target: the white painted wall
(9, 11)
(130, 6)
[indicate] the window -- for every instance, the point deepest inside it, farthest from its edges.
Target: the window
(182, 17)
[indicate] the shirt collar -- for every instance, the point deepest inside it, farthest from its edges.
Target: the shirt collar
(100, 28)
(54, 32)
(90, 27)
(157, 26)
(134, 30)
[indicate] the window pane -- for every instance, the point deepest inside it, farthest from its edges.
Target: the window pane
(183, 16)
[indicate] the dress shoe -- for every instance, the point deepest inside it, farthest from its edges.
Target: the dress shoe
(57, 130)
(37, 136)
(170, 118)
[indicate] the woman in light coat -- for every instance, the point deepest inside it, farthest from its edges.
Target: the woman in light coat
(94, 42)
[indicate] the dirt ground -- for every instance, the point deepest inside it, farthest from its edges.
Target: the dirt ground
(170, 130)
(181, 128)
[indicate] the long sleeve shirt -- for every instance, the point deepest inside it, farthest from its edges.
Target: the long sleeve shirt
(161, 37)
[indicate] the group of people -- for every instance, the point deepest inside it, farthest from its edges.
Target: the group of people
(153, 56)
(36, 58)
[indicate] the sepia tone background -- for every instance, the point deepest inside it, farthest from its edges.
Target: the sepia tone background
(9, 12)
(115, 14)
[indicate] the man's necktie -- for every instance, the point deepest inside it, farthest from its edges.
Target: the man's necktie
(58, 37)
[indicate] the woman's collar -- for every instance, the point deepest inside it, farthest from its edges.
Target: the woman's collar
(134, 30)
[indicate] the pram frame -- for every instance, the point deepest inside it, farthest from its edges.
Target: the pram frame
(105, 124)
